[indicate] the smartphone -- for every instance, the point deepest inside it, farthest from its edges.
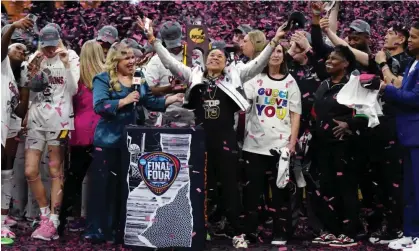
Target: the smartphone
(147, 23)
(329, 5)
(32, 17)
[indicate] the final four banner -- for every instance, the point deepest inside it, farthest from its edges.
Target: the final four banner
(165, 195)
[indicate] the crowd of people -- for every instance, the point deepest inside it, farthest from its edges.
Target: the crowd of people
(296, 118)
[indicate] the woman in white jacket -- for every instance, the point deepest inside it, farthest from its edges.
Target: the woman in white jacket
(50, 118)
(215, 94)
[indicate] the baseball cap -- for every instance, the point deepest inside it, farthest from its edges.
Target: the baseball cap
(171, 33)
(360, 25)
(56, 26)
(243, 29)
(131, 43)
(297, 20)
(108, 34)
(218, 44)
(49, 36)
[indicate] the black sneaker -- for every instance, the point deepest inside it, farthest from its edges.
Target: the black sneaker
(343, 241)
(384, 237)
(279, 241)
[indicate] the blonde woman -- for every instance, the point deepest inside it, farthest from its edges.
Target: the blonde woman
(253, 44)
(50, 117)
(92, 62)
(113, 99)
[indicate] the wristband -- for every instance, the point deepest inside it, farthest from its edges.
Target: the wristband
(273, 43)
(381, 65)
(151, 40)
(385, 67)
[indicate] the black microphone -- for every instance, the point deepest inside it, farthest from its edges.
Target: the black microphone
(137, 81)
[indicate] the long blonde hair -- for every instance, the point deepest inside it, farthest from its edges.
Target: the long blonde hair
(258, 39)
(116, 53)
(91, 62)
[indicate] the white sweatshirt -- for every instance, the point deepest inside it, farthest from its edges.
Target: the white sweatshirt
(52, 109)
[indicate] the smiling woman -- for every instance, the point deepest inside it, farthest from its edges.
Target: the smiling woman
(114, 98)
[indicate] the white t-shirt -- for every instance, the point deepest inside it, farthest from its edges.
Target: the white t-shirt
(268, 123)
(52, 109)
(9, 97)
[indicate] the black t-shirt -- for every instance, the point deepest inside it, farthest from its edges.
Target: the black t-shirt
(213, 108)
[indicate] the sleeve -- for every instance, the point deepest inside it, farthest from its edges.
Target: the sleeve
(177, 68)
(24, 77)
(255, 66)
(249, 87)
(319, 47)
(294, 101)
(5, 67)
(402, 96)
(73, 74)
(102, 102)
(152, 75)
(151, 102)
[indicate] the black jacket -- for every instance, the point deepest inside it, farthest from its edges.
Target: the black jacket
(326, 108)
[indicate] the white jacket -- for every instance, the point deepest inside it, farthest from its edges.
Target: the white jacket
(234, 75)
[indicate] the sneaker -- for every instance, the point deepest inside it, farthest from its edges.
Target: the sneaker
(46, 231)
(279, 241)
(9, 221)
(414, 247)
(325, 238)
(77, 225)
(7, 233)
(401, 243)
(240, 241)
(384, 237)
(343, 241)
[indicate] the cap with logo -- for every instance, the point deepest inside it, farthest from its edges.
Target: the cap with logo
(296, 20)
(131, 43)
(108, 34)
(361, 26)
(243, 29)
(49, 36)
(218, 44)
(171, 34)
(56, 26)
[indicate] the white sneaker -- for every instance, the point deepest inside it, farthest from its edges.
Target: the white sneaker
(414, 246)
(239, 241)
(400, 243)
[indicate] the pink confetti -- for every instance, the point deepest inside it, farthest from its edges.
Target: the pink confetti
(260, 82)
(345, 221)
(107, 106)
(48, 107)
(396, 185)
(326, 126)
(198, 189)
(225, 142)
(282, 249)
(331, 208)
(58, 109)
(339, 174)
(391, 142)
(272, 210)
(193, 234)
(98, 149)
(317, 192)
(226, 148)
(306, 95)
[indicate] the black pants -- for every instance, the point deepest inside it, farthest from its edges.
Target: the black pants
(80, 160)
(387, 173)
(222, 174)
(337, 198)
(256, 167)
(104, 192)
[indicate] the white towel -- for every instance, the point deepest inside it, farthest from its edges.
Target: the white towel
(283, 168)
(364, 101)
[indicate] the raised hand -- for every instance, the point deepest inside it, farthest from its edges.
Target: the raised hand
(301, 40)
(24, 23)
(63, 53)
(324, 24)
(280, 33)
(141, 25)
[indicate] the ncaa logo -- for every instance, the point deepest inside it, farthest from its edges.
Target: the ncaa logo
(158, 170)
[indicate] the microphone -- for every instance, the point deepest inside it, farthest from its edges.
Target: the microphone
(137, 81)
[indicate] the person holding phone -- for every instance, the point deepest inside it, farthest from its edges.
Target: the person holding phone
(14, 98)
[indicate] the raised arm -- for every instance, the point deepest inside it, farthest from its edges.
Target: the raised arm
(360, 56)
(23, 23)
(177, 68)
(255, 66)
